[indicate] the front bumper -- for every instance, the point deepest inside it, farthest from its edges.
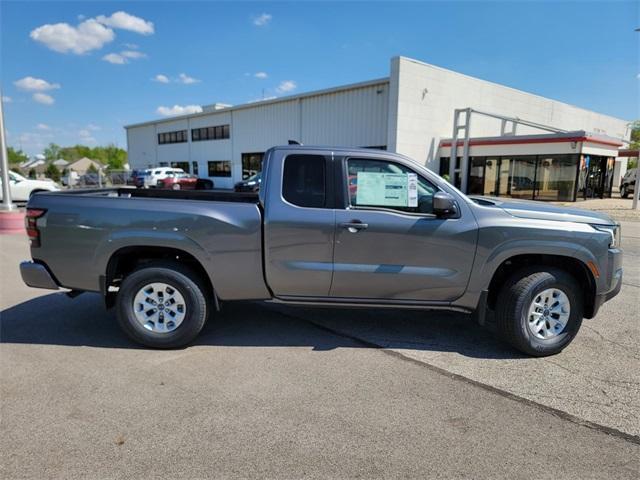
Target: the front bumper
(613, 283)
(36, 275)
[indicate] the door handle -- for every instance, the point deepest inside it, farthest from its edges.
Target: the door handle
(354, 226)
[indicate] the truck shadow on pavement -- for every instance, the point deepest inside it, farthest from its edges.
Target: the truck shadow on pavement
(56, 319)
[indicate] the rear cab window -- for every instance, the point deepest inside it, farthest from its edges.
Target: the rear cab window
(384, 184)
(304, 181)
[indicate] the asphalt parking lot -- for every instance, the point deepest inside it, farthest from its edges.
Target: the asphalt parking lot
(288, 393)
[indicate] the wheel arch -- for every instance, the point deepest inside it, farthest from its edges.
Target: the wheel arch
(573, 266)
(129, 258)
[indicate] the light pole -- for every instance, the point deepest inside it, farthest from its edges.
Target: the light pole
(6, 205)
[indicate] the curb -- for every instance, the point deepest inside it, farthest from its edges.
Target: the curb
(11, 222)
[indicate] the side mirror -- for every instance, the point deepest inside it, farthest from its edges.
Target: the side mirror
(444, 204)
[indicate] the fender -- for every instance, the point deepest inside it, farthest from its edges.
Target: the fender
(144, 238)
(487, 263)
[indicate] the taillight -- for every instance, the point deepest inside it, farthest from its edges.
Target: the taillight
(31, 224)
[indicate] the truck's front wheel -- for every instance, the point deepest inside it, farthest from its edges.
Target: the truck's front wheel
(539, 312)
(162, 305)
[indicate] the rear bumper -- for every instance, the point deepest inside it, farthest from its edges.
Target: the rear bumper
(36, 275)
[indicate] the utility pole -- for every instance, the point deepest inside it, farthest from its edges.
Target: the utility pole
(6, 205)
(636, 187)
(636, 190)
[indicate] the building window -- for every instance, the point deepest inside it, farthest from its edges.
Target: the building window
(195, 168)
(251, 164)
(219, 168)
(304, 180)
(219, 132)
(183, 165)
(541, 177)
(444, 170)
(179, 136)
(556, 177)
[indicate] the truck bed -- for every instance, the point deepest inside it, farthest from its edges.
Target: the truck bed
(83, 229)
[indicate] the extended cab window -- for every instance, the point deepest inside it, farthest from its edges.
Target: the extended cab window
(389, 185)
(304, 182)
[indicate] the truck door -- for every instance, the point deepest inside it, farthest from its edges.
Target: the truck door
(299, 223)
(389, 245)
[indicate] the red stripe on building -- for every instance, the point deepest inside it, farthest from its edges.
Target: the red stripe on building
(520, 141)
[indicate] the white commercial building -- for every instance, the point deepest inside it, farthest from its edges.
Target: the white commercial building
(509, 142)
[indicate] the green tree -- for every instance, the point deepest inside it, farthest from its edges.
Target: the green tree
(52, 152)
(52, 172)
(32, 173)
(16, 156)
(92, 169)
(635, 135)
(114, 157)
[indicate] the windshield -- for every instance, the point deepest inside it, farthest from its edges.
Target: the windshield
(255, 178)
(16, 177)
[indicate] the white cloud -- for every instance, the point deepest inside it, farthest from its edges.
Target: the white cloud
(6, 99)
(85, 136)
(126, 21)
(62, 37)
(286, 86)
(43, 98)
(178, 110)
(131, 46)
(186, 79)
(261, 75)
(114, 58)
(132, 54)
(93, 128)
(122, 57)
(161, 78)
(32, 84)
(43, 126)
(34, 141)
(262, 20)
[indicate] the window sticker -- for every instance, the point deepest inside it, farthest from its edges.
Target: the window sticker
(387, 189)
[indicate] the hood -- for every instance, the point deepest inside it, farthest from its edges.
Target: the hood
(46, 184)
(544, 211)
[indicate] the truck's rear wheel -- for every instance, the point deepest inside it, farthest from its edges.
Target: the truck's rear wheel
(162, 305)
(539, 312)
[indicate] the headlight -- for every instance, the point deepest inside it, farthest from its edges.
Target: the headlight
(613, 230)
(251, 184)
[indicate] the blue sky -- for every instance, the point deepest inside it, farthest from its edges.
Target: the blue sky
(100, 70)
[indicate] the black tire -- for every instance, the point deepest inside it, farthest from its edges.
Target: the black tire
(624, 193)
(192, 288)
(513, 304)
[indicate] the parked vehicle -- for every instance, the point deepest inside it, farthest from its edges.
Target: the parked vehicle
(138, 178)
(251, 184)
(133, 177)
(178, 181)
(399, 237)
(156, 174)
(628, 183)
(22, 188)
(89, 180)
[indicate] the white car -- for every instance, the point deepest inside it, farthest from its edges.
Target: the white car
(155, 174)
(22, 188)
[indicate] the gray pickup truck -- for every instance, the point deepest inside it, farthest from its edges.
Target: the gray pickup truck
(332, 227)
